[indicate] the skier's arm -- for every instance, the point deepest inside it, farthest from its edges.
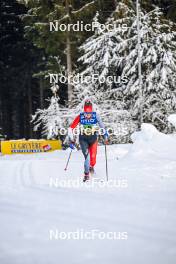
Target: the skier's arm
(101, 125)
(75, 122)
(72, 126)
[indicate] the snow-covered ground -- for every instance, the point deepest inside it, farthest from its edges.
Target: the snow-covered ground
(141, 208)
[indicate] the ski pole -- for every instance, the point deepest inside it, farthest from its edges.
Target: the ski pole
(106, 162)
(68, 159)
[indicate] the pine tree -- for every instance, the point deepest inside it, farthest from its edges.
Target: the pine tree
(59, 43)
(50, 120)
(121, 53)
(18, 60)
(158, 68)
(100, 60)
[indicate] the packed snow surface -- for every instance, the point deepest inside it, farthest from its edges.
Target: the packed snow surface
(142, 211)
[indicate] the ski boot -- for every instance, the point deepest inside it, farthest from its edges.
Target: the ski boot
(86, 177)
(92, 171)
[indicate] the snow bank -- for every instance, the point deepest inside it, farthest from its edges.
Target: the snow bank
(30, 207)
(149, 141)
(172, 119)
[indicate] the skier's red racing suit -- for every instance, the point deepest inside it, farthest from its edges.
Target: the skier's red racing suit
(88, 141)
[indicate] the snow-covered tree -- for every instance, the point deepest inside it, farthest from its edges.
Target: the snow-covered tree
(115, 52)
(2, 137)
(43, 22)
(50, 120)
(158, 68)
(108, 67)
(100, 64)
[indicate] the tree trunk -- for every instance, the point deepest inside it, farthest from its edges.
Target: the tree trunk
(16, 118)
(1, 113)
(41, 93)
(29, 95)
(69, 58)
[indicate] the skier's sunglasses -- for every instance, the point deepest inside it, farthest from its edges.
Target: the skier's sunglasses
(88, 103)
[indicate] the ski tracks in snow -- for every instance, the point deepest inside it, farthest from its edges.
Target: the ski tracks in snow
(23, 176)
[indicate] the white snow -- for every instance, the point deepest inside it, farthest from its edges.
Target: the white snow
(30, 208)
(172, 119)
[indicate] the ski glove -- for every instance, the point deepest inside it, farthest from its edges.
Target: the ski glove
(106, 136)
(72, 145)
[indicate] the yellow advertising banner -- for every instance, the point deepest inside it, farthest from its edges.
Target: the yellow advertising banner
(29, 146)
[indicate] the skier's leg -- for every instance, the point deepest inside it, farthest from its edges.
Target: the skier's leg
(87, 165)
(93, 153)
(85, 150)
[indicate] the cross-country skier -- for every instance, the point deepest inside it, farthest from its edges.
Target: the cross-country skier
(88, 136)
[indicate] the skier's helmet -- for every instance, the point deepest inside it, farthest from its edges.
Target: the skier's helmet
(88, 106)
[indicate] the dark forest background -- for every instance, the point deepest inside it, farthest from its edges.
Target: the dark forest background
(21, 90)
